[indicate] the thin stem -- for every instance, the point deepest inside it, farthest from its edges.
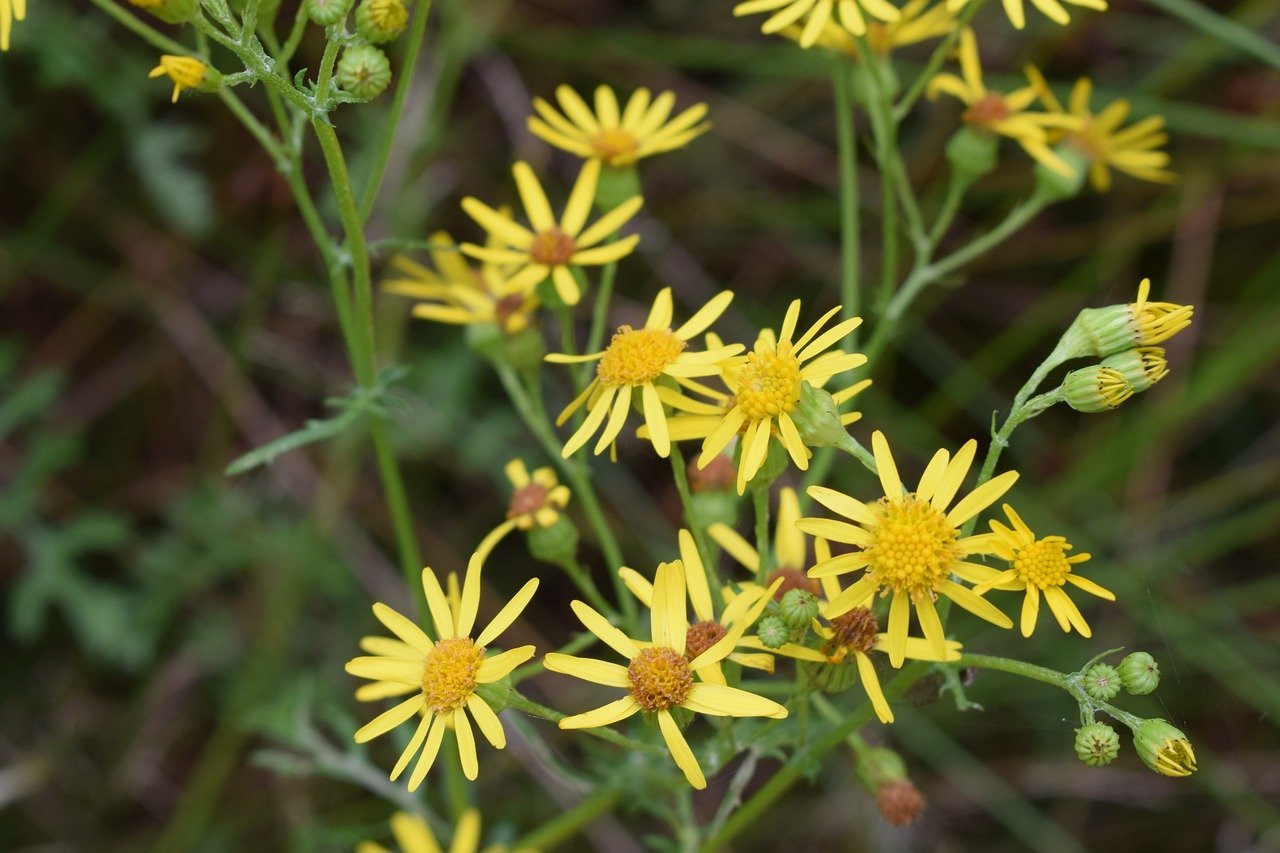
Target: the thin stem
(680, 472)
(733, 796)
(760, 503)
(847, 143)
(294, 39)
(143, 30)
(521, 702)
(327, 61)
(582, 580)
(956, 187)
(600, 310)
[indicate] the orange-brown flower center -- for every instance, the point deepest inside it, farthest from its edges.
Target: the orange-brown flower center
(449, 674)
(855, 631)
(528, 500)
(988, 110)
(660, 678)
(702, 636)
(551, 248)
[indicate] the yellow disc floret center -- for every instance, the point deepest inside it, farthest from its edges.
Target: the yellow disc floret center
(637, 356)
(913, 547)
(660, 677)
(1043, 563)
(613, 144)
(449, 674)
(769, 383)
(551, 248)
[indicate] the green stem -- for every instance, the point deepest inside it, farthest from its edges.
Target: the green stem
(327, 61)
(957, 185)
(582, 580)
(140, 28)
(680, 472)
(600, 310)
(760, 503)
(1070, 682)
(521, 702)
(294, 39)
(847, 144)
(567, 825)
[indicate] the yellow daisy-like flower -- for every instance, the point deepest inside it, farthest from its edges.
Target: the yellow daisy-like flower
(636, 360)
(766, 385)
(1103, 142)
(992, 111)
(455, 292)
(1052, 9)
(536, 502)
(816, 14)
(443, 673)
(618, 137)
(910, 544)
(413, 835)
(737, 613)
(186, 72)
(917, 22)
(553, 245)
(1039, 566)
(658, 677)
(10, 11)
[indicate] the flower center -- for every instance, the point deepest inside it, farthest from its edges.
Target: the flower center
(551, 248)
(659, 678)
(449, 674)
(913, 547)
(1043, 563)
(855, 631)
(612, 142)
(769, 383)
(527, 500)
(792, 579)
(701, 637)
(637, 356)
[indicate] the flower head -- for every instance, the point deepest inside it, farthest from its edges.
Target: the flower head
(658, 677)
(551, 246)
(186, 72)
(536, 502)
(443, 674)
(619, 137)
(638, 360)
(414, 835)
(10, 10)
(1040, 567)
(813, 16)
(1164, 748)
(917, 21)
(766, 385)
(910, 544)
(1052, 9)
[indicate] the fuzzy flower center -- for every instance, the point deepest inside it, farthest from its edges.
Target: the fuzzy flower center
(551, 248)
(769, 383)
(528, 500)
(449, 674)
(613, 142)
(638, 356)
(988, 110)
(913, 547)
(660, 678)
(1043, 563)
(792, 579)
(702, 636)
(855, 631)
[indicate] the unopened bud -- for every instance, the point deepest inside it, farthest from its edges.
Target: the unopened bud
(1164, 748)
(1139, 673)
(1095, 389)
(1102, 682)
(381, 21)
(326, 13)
(973, 152)
(773, 632)
(556, 544)
(798, 608)
(817, 419)
(363, 72)
(1141, 367)
(1097, 744)
(1113, 329)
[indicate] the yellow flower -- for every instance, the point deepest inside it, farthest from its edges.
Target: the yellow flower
(658, 677)
(537, 502)
(766, 385)
(186, 72)
(413, 835)
(553, 246)
(917, 22)
(910, 544)
(635, 360)
(456, 293)
(1052, 9)
(10, 10)
(443, 674)
(1003, 114)
(618, 137)
(1101, 140)
(816, 14)
(1039, 566)
(1164, 748)
(737, 613)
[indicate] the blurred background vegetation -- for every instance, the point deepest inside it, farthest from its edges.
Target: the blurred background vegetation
(174, 638)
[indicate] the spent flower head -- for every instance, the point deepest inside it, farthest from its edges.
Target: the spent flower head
(617, 136)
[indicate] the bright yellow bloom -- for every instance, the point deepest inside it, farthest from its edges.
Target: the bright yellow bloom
(816, 14)
(1164, 748)
(10, 10)
(536, 502)
(917, 22)
(1039, 566)
(910, 544)
(186, 72)
(553, 245)
(443, 674)
(1052, 9)
(1101, 140)
(766, 385)
(1003, 114)
(636, 360)
(413, 835)
(618, 137)
(728, 614)
(658, 677)
(455, 292)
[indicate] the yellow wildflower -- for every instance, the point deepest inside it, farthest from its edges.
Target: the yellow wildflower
(635, 360)
(10, 11)
(910, 544)
(536, 502)
(816, 14)
(618, 137)
(186, 72)
(1052, 9)
(1164, 748)
(443, 674)
(917, 22)
(658, 677)
(553, 246)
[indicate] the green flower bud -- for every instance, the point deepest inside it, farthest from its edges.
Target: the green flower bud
(1097, 744)
(798, 608)
(772, 631)
(1139, 673)
(972, 153)
(616, 185)
(363, 72)
(878, 766)
(524, 349)
(381, 21)
(817, 419)
(1164, 748)
(1102, 682)
(556, 544)
(1141, 367)
(326, 13)
(1095, 389)
(170, 11)
(1055, 186)
(1113, 329)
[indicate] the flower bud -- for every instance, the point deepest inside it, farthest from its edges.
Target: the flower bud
(1095, 389)
(187, 72)
(1053, 185)
(715, 507)
(170, 11)
(1141, 367)
(1102, 332)
(1139, 673)
(1102, 682)
(381, 21)
(1164, 748)
(973, 152)
(556, 544)
(817, 419)
(363, 72)
(326, 13)
(1097, 744)
(798, 608)
(773, 632)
